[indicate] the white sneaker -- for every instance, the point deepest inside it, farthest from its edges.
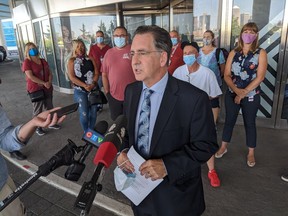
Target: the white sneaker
(55, 127)
(285, 177)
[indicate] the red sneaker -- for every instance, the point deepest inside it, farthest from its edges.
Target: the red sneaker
(214, 180)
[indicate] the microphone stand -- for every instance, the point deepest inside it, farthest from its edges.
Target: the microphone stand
(64, 157)
(89, 190)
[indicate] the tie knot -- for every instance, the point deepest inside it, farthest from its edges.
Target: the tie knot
(148, 93)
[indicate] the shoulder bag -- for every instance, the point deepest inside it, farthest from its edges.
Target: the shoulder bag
(40, 94)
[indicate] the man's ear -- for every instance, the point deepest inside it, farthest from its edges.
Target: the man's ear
(163, 59)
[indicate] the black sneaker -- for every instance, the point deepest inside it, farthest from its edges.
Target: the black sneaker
(18, 155)
(40, 131)
(285, 177)
(55, 127)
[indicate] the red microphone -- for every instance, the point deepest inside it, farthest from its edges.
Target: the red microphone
(111, 144)
(104, 157)
(105, 154)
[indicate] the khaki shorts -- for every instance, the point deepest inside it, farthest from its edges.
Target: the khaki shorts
(16, 207)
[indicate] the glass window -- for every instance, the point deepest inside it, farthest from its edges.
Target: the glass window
(205, 17)
(269, 19)
(182, 20)
(48, 49)
(65, 29)
(132, 22)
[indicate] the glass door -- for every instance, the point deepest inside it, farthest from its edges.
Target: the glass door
(269, 16)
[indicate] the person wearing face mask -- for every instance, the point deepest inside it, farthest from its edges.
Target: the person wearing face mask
(245, 70)
(176, 56)
(83, 73)
(38, 76)
(97, 52)
(207, 57)
(203, 78)
(117, 72)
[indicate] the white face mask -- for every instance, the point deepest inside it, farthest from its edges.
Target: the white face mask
(206, 41)
(122, 180)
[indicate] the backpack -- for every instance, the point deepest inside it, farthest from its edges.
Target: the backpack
(225, 54)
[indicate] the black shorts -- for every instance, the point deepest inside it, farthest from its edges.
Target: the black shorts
(215, 102)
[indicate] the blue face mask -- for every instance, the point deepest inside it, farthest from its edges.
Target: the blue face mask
(174, 41)
(33, 52)
(189, 59)
(120, 41)
(99, 40)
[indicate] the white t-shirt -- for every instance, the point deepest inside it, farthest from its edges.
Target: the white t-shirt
(203, 78)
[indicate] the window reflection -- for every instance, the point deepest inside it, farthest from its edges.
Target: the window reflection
(132, 22)
(269, 19)
(65, 29)
(182, 20)
(206, 17)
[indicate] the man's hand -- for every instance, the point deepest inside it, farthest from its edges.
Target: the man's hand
(45, 119)
(42, 120)
(154, 169)
(124, 163)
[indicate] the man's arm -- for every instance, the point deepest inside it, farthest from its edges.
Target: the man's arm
(13, 138)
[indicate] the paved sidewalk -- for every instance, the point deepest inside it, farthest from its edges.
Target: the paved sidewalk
(257, 191)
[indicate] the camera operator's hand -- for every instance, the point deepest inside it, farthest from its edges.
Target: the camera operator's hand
(42, 120)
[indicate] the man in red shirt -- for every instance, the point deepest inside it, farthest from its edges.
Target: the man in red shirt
(117, 71)
(97, 52)
(176, 56)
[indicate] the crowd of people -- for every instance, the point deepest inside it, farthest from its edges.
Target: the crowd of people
(170, 93)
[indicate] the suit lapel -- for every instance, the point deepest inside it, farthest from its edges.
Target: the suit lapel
(166, 108)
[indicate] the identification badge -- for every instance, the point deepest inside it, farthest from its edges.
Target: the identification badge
(250, 99)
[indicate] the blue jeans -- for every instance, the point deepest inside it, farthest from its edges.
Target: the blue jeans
(249, 112)
(88, 114)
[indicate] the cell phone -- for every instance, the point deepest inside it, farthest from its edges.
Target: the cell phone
(65, 110)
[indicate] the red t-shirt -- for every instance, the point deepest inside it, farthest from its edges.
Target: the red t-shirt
(117, 65)
(37, 70)
(98, 54)
(176, 59)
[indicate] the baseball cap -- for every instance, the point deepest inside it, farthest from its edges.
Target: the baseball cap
(187, 43)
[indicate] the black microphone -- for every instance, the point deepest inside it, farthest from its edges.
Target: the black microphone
(63, 157)
(92, 138)
(103, 159)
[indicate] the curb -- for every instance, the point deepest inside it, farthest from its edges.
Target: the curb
(72, 188)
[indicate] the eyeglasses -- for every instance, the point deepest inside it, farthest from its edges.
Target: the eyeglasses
(142, 53)
(122, 35)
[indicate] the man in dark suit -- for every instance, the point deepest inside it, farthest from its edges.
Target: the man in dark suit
(181, 132)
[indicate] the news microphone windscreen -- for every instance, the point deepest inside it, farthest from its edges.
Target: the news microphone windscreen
(96, 137)
(101, 127)
(116, 132)
(105, 154)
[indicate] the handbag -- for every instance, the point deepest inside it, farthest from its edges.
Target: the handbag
(37, 95)
(96, 96)
(40, 94)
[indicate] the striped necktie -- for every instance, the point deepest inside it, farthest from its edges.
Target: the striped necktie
(144, 123)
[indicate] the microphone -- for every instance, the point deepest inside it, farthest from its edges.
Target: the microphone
(103, 159)
(63, 157)
(92, 138)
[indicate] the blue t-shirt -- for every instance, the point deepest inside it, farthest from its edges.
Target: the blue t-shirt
(209, 60)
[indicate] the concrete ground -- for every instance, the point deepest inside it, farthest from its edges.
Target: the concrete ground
(257, 191)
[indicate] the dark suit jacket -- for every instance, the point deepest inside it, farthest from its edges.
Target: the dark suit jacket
(184, 137)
